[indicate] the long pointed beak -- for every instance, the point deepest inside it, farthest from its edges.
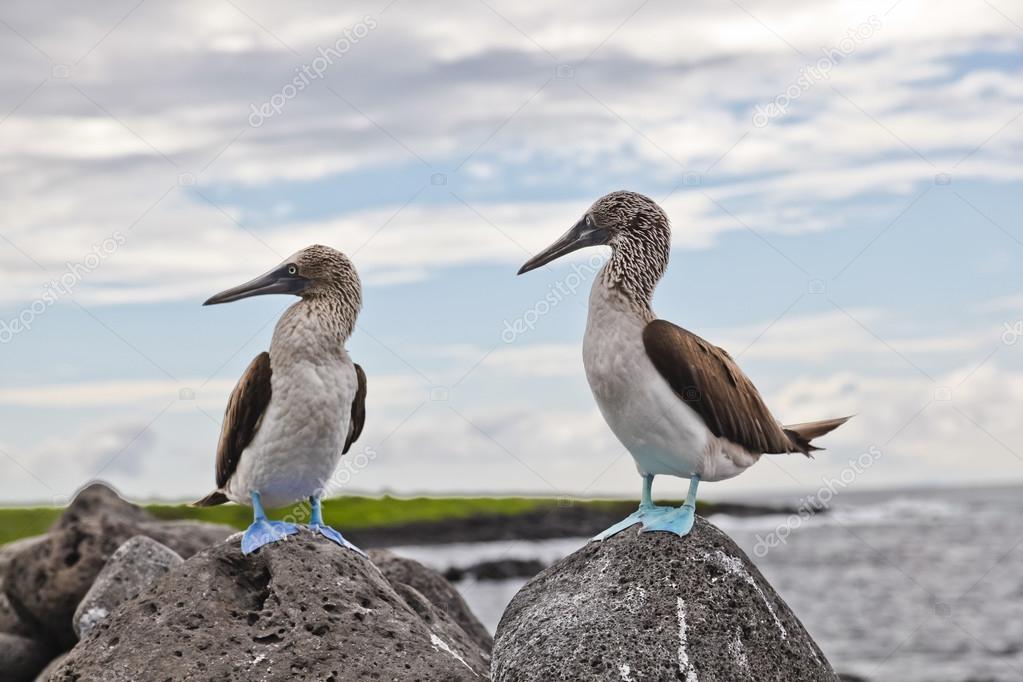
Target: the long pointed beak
(277, 281)
(582, 234)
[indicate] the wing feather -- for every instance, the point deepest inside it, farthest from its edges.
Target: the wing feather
(244, 414)
(358, 419)
(710, 382)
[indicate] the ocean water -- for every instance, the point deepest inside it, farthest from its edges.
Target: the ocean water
(894, 586)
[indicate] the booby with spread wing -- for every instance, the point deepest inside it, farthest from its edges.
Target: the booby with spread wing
(679, 404)
(298, 408)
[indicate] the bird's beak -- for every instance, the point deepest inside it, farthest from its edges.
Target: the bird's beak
(584, 233)
(277, 281)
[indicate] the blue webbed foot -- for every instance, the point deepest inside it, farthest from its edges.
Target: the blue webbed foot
(628, 522)
(334, 536)
(677, 520)
(263, 532)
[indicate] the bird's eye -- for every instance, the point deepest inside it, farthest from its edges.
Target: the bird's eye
(292, 270)
(589, 220)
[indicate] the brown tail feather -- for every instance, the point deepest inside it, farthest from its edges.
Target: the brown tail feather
(802, 434)
(211, 500)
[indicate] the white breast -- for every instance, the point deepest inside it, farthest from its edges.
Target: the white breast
(663, 434)
(299, 442)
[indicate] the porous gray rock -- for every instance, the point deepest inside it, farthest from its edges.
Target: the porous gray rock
(185, 537)
(299, 609)
(434, 587)
(135, 565)
(8, 551)
(653, 606)
(46, 580)
(21, 658)
(99, 498)
(12, 622)
(23, 651)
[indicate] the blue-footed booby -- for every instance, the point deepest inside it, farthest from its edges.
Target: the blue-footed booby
(298, 408)
(680, 405)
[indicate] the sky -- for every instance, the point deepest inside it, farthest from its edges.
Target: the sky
(843, 181)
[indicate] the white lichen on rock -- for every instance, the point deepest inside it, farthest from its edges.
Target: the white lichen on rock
(440, 644)
(734, 566)
(134, 566)
(90, 618)
(685, 666)
(738, 653)
(626, 672)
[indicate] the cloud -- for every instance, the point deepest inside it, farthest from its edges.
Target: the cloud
(928, 429)
(871, 340)
(925, 436)
(1012, 303)
(536, 360)
(118, 145)
(105, 394)
(963, 425)
(187, 394)
(438, 142)
(848, 333)
(56, 466)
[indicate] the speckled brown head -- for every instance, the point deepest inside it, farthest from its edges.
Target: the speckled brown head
(315, 273)
(630, 216)
(329, 272)
(636, 229)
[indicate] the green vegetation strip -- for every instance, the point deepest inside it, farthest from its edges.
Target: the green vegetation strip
(343, 512)
(23, 522)
(364, 512)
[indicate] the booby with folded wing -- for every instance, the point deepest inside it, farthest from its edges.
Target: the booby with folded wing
(298, 408)
(679, 404)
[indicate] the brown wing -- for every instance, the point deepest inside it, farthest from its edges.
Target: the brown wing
(358, 410)
(710, 382)
(244, 414)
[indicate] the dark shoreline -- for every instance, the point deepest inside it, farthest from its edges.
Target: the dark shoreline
(557, 521)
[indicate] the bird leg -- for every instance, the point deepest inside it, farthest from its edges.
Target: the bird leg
(678, 520)
(317, 525)
(646, 508)
(647, 501)
(262, 531)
